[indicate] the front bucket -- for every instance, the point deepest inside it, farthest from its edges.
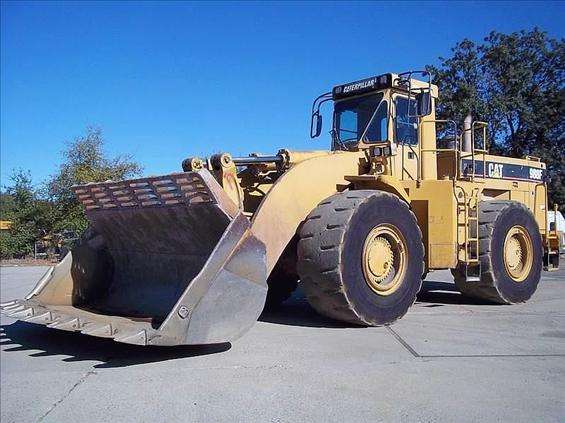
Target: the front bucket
(167, 260)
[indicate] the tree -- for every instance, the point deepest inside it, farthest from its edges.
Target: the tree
(36, 214)
(85, 161)
(516, 83)
(31, 216)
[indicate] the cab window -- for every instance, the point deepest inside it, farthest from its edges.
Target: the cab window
(405, 123)
(362, 117)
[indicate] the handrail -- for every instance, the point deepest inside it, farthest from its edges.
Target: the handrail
(467, 205)
(404, 170)
(402, 163)
(465, 220)
(555, 210)
(418, 169)
(435, 150)
(457, 149)
(482, 151)
(406, 77)
(430, 150)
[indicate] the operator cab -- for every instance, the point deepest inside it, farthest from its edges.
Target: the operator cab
(381, 109)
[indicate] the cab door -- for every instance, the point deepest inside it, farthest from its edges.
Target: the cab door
(405, 136)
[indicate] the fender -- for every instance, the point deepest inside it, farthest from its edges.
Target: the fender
(295, 194)
(385, 183)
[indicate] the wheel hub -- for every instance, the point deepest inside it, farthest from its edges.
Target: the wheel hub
(384, 259)
(513, 253)
(380, 258)
(518, 253)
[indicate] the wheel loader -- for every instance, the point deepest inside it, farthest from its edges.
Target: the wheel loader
(192, 257)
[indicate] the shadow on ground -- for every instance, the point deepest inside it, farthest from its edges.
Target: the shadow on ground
(297, 312)
(437, 294)
(21, 336)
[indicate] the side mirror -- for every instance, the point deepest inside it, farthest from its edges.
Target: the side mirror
(316, 125)
(424, 103)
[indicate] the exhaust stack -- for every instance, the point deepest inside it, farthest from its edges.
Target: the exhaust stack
(467, 135)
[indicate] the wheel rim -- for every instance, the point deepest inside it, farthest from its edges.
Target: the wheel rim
(384, 259)
(518, 253)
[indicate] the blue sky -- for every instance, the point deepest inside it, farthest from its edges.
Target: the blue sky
(169, 80)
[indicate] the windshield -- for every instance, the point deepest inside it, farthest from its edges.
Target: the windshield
(362, 118)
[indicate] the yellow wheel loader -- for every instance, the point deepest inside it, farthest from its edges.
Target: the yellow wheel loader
(191, 257)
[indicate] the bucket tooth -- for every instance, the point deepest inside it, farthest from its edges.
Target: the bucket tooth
(71, 324)
(13, 308)
(99, 329)
(21, 314)
(135, 338)
(43, 318)
(8, 304)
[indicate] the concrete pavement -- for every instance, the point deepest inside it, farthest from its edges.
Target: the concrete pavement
(448, 359)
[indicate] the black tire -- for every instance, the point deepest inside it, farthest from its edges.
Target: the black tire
(281, 286)
(283, 280)
(496, 218)
(330, 257)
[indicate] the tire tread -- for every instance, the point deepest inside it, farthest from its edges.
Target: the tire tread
(321, 278)
(487, 288)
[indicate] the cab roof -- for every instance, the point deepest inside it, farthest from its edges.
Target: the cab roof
(376, 83)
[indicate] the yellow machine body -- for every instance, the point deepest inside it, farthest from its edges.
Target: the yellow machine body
(184, 258)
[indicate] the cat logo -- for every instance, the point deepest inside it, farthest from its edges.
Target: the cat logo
(495, 170)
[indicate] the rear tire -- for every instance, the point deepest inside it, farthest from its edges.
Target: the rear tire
(511, 254)
(342, 269)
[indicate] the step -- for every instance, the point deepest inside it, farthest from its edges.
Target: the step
(473, 279)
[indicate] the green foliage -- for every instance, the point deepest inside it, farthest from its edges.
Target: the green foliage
(516, 83)
(85, 161)
(31, 216)
(35, 214)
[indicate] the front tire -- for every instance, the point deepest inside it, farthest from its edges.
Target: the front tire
(360, 257)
